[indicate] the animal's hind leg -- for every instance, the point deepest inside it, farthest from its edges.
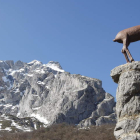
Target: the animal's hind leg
(126, 57)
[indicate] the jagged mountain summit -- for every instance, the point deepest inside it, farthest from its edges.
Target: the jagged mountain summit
(51, 95)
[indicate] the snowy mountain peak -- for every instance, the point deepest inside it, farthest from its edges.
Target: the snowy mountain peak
(34, 62)
(55, 66)
(52, 64)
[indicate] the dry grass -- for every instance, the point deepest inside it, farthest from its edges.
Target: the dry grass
(64, 132)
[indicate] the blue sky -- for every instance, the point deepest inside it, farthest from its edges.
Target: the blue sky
(76, 33)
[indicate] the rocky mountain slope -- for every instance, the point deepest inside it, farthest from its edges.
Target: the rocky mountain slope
(14, 124)
(51, 95)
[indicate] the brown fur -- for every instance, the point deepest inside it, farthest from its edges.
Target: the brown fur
(127, 36)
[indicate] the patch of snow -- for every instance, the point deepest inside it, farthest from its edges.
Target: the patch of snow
(7, 105)
(13, 107)
(34, 62)
(107, 99)
(39, 71)
(20, 127)
(17, 90)
(54, 67)
(36, 108)
(16, 125)
(30, 75)
(0, 125)
(106, 116)
(40, 83)
(8, 129)
(5, 117)
(21, 70)
(40, 118)
(35, 126)
(35, 95)
(18, 114)
(27, 130)
(12, 72)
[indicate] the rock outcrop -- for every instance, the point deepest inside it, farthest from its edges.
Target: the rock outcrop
(48, 93)
(128, 101)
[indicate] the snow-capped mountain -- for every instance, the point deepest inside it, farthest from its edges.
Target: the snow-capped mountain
(51, 95)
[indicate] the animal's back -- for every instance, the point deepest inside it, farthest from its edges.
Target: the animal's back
(132, 32)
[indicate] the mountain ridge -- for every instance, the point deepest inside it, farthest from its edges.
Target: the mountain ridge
(51, 95)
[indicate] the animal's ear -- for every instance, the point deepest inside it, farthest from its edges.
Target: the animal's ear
(114, 40)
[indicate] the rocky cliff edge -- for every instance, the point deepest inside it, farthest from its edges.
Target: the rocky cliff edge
(128, 101)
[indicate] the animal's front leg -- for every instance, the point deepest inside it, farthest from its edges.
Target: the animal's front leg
(125, 48)
(126, 57)
(129, 54)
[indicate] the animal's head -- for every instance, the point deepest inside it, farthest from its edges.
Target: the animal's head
(117, 40)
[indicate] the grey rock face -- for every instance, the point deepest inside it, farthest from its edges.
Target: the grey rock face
(103, 114)
(48, 93)
(128, 98)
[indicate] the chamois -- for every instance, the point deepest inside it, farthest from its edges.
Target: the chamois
(127, 36)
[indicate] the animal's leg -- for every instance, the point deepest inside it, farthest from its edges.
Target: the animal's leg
(124, 51)
(129, 54)
(125, 48)
(126, 57)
